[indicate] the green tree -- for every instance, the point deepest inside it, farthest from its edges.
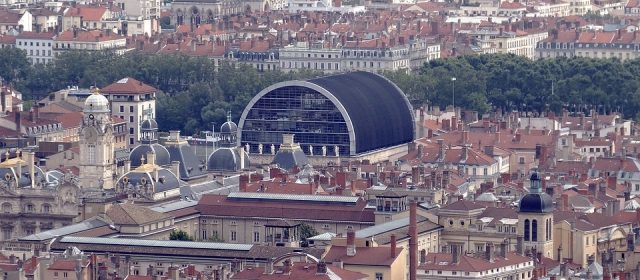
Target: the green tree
(14, 65)
(307, 231)
(215, 238)
(180, 235)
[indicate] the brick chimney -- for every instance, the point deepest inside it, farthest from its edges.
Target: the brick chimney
(489, 252)
(413, 244)
(392, 250)
(351, 243)
(441, 150)
(244, 180)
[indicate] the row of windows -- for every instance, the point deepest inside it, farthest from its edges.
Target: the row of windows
(29, 208)
(37, 44)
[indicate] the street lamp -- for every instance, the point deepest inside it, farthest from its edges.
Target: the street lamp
(453, 93)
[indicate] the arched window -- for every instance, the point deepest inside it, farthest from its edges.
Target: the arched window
(546, 230)
(526, 230)
(29, 208)
(46, 208)
(534, 230)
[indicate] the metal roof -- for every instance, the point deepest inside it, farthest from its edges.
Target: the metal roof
(382, 228)
(294, 197)
(156, 243)
(380, 112)
(50, 234)
(174, 206)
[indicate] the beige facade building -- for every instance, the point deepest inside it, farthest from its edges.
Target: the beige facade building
(31, 201)
(518, 42)
(133, 101)
(244, 217)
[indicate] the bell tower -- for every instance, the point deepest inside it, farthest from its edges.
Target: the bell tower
(96, 143)
(535, 219)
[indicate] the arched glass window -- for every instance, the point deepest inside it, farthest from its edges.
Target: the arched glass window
(526, 230)
(534, 230)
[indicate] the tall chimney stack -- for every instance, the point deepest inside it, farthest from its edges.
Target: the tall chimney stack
(413, 244)
(351, 243)
(393, 246)
(520, 245)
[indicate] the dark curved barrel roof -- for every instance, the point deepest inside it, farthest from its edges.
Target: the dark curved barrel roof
(379, 112)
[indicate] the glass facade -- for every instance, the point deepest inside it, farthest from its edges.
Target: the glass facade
(312, 117)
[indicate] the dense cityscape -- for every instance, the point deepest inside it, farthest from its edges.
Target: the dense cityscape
(319, 139)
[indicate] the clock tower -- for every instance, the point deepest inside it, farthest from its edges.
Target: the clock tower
(96, 143)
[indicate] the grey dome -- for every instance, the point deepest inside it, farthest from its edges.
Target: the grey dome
(140, 151)
(288, 159)
(168, 180)
(229, 127)
(149, 124)
(226, 159)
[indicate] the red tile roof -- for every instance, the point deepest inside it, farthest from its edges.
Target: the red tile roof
(375, 256)
(128, 86)
(88, 36)
(35, 35)
(220, 205)
(306, 271)
(9, 17)
(66, 265)
(443, 261)
(87, 13)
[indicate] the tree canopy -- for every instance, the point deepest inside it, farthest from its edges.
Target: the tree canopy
(180, 235)
(194, 94)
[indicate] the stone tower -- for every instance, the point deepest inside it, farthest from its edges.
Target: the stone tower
(96, 144)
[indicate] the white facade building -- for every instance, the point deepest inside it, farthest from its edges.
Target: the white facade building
(38, 46)
(314, 57)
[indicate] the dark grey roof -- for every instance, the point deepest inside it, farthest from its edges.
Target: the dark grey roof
(162, 155)
(229, 126)
(287, 159)
(149, 124)
(190, 167)
(379, 111)
(169, 182)
(536, 203)
(226, 159)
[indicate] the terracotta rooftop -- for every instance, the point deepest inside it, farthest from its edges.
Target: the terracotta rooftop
(128, 86)
(87, 13)
(36, 35)
(374, 256)
(443, 261)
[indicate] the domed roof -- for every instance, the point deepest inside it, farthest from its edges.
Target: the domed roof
(96, 103)
(149, 124)
(226, 159)
(167, 181)
(536, 203)
(140, 151)
(229, 127)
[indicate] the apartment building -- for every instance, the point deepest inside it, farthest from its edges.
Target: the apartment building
(133, 101)
(375, 55)
(37, 46)
(313, 56)
(513, 41)
(621, 44)
(93, 40)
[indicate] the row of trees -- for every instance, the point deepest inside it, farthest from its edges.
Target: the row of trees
(194, 95)
(510, 82)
